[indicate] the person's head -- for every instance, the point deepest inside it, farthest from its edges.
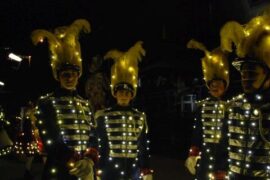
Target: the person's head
(123, 93)
(254, 77)
(123, 97)
(63, 44)
(68, 78)
(124, 71)
(215, 68)
(252, 47)
(217, 87)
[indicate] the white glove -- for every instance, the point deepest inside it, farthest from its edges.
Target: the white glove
(83, 169)
(191, 162)
(148, 177)
(90, 176)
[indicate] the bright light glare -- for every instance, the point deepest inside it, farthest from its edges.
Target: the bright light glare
(15, 57)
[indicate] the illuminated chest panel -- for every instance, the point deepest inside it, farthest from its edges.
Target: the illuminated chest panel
(243, 124)
(73, 117)
(212, 115)
(247, 126)
(123, 131)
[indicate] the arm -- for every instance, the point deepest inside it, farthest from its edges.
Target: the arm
(92, 150)
(49, 133)
(101, 141)
(196, 138)
(222, 150)
(144, 151)
(196, 141)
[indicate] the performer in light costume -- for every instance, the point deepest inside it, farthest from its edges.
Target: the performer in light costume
(26, 142)
(248, 113)
(64, 118)
(208, 126)
(5, 141)
(121, 129)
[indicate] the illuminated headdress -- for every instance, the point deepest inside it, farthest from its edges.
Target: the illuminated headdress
(252, 41)
(214, 64)
(124, 71)
(64, 45)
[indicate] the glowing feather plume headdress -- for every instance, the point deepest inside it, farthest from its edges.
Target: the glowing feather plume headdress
(124, 72)
(214, 64)
(64, 45)
(252, 40)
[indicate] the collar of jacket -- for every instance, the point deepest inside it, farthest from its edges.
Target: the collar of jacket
(65, 92)
(121, 108)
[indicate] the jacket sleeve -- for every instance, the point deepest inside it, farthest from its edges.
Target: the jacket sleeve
(197, 133)
(222, 148)
(144, 150)
(101, 139)
(49, 133)
(92, 149)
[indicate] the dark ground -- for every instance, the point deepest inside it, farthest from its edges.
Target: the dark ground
(164, 169)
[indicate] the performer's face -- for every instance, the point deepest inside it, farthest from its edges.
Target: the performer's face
(123, 97)
(252, 77)
(217, 88)
(68, 79)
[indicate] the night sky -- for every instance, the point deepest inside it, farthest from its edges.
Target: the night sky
(164, 26)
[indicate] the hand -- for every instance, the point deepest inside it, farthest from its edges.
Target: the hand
(148, 177)
(83, 169)
(98, 174)
(191, 164)
(147, 174)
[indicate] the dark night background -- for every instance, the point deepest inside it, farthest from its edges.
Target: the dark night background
(169, 72)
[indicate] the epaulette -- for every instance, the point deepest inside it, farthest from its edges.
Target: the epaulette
(136, 110)
(107, 109)
(46, 96)
(201, 102)
(99, 113)
(80, 97)
(236, 98)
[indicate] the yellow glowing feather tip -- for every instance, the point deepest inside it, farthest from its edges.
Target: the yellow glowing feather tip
(233, 32)
(214, 64)
(125, 67)
(256, 40)
(193, 44)
(63, 44)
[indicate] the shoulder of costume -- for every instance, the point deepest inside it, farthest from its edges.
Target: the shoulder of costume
(140, 113)
(80, 97)
(46, 96)
(137, 111)
(201, 102)
(101, 112)
(236, 98)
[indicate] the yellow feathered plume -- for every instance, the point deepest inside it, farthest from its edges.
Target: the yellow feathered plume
(125, 67)
(233, 32)
(254, 41)
(193, 44)
(214, 64)
(63, 44)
